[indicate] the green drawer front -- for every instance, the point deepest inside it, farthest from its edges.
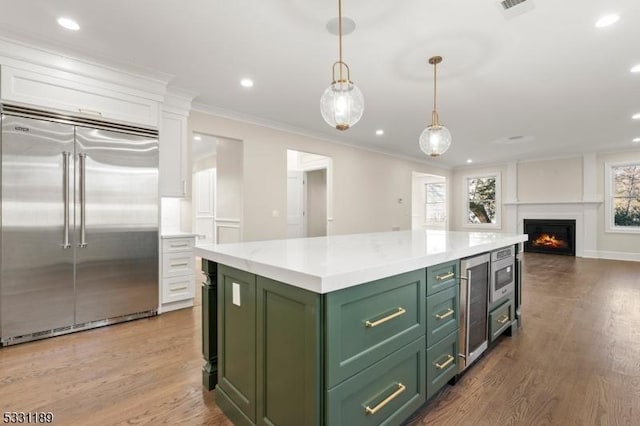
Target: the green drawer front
(442, 315)
(368, 322)
(442, 363)
(500, 319)
(393, 388)
(442, 276)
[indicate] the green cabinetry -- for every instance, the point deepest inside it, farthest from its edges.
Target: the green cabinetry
(269, 360)
(442, 276)
(442, 324)
(442, 363)
(385, 393)
(500, 319)
(237, 336)
(370, 354)
(368, 322)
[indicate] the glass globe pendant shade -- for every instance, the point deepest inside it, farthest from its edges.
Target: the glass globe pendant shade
(435, 140)
(342, 104)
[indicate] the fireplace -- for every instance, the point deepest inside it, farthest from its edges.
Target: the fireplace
(553, 236)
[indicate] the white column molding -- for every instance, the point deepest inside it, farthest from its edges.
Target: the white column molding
(510, 205)
(589, 195)
(589, 174)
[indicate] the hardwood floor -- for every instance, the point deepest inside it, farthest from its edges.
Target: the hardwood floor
(575, 361)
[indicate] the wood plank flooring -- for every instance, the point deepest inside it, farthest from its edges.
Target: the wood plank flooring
(575, 361)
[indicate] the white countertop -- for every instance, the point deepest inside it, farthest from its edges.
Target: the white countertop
(326, 264)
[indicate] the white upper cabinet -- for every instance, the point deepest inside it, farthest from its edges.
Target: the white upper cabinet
(46, 90)
(44, 79)
(173, 145)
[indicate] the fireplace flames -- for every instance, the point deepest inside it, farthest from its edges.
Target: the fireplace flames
(550, 241)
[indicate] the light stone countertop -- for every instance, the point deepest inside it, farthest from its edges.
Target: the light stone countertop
(326, 264)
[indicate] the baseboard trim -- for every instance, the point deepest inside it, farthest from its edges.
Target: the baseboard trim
(612, 255)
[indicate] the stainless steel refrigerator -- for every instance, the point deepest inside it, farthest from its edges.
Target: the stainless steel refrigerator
(79, 237)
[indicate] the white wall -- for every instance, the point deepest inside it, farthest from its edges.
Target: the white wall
(561, 188)
(372, 191)
(550, 180)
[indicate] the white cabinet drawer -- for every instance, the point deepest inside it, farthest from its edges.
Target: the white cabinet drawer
(172, 245)
(178, 288)
(36, 89)
(176, 264)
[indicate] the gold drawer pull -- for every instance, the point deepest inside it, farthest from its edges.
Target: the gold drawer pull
(504, 319)
(445, 276)
(444, 364)
(394, 395)
(445, 315)
(400, 311)
(179, 264)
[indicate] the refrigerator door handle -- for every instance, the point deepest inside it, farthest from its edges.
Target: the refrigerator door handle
(65, 192)
(83, 235)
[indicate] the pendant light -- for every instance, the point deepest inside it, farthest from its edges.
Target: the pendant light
(435, 139)
(342, 104)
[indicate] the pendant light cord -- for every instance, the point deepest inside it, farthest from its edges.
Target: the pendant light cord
(340, 34)
(435, 76)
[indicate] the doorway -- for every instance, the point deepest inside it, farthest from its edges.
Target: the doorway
(203, 189)
(308, 194)
(429, 201)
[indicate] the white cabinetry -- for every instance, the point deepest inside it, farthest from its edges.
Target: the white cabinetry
(44, 88)
(173, 145)
(178, 272)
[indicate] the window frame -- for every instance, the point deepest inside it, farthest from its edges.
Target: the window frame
(498, 200)
(443, 223)
(609, 215)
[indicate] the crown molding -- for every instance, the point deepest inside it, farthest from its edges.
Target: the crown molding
(17, 53)
(276, 125)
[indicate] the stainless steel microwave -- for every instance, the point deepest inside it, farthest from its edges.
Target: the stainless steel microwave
(503, 273)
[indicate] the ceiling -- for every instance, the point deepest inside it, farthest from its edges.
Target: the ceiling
(548, 74)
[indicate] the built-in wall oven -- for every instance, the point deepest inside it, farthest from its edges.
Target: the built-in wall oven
(474, 293)
(503, 273)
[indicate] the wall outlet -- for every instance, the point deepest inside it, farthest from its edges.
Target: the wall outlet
(235, 297)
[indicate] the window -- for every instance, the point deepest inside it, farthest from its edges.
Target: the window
(622, 197)
(435, 208)
(482, 201)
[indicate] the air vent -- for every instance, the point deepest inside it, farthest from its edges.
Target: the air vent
(508, 4)
(513, 8)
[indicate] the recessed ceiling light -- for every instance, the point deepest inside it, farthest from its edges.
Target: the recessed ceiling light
(607, 20)
(636, 139)
(197, 138)
(68, 23)
(636, 68)
(469, 160)
(246, 82)
(636, 116)
(379, 132)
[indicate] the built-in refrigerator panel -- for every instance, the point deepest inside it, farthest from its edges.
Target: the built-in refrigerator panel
(116, 224)
(36, 269)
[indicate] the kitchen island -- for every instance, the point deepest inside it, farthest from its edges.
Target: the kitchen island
(342, 330)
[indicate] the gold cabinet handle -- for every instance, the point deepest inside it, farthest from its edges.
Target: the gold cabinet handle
(397, 313)
(445, 276)
(444, 364)
(504, 319)
(445, 315)
(394, 395)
